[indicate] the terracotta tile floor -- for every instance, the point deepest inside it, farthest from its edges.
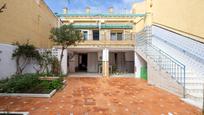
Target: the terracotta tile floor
(95, 96)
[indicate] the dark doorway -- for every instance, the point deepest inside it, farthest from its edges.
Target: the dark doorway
(82, 67)
(95, 34)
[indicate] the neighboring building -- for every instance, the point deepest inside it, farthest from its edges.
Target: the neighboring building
(24, 20)
(181, 16)
(21, 21)
(109, 41)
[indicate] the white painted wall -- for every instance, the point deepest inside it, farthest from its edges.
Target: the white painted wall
(7, 64)
(57, 52)
(182, 44)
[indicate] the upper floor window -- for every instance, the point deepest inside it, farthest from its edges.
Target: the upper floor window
(116, 36)
(95, 34)
(85, 35)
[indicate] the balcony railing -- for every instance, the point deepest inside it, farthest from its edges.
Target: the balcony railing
(108, 37)
(103, 26)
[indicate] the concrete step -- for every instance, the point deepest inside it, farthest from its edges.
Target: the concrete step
(198, 104)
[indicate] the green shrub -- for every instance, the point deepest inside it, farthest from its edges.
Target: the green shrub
(56, 84)
(28, 83)
(19, 83)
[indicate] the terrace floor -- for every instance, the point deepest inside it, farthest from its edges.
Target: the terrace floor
(95, 96)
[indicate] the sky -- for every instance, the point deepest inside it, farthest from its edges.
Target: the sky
(97, 6)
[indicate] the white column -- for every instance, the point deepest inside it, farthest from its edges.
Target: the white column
(105, 62)
(105, 55)
(64, 62)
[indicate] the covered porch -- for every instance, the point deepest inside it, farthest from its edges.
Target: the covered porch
(97, 62)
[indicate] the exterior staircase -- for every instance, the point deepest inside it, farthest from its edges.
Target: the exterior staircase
(178, 66)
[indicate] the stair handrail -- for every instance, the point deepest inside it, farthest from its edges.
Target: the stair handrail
(143, 35)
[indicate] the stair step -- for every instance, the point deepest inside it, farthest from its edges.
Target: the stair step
(193, 84)
(194, 81)
(192, 78)
(198, 104)
(198, 91)
(194, 87)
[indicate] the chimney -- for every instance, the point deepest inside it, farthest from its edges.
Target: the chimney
(88, 10)
(110, 10)
(65, 10)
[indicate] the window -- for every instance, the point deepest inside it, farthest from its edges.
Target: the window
(113, 36)
(116, 36)
(119, 36)
(85, 35)
(95, 34)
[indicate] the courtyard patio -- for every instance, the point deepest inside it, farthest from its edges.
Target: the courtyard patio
(105, 96)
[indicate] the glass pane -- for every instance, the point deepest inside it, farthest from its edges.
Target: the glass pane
(119, 36)
(85, 35)
(95, 34)
(113, 36)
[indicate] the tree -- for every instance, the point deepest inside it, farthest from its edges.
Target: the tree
(24, 54)
(55, 66)
(65, 36)
(2, 8)
(39, 63)
(47, 63)
(43, 62)
(47, 59)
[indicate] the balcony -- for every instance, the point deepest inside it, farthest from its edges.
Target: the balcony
(108, 40)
